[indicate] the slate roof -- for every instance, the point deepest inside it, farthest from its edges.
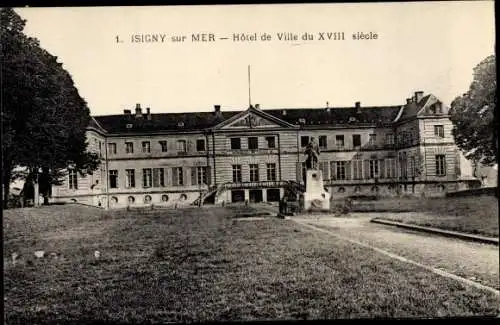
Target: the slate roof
(338, 116)
(163, 122)
(313, 117)
(410, 110)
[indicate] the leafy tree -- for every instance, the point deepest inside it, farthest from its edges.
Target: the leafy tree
(472, 115)
(44, 119)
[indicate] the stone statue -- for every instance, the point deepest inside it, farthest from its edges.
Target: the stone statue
(312, 152)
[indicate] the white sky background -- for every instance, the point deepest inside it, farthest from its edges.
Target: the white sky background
(422, 46)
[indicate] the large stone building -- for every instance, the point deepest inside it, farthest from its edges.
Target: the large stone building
(256, 154)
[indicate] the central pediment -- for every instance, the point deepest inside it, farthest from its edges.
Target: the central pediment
(253, 119)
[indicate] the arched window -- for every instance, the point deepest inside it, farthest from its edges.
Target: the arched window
(164, 198)
(131, 200)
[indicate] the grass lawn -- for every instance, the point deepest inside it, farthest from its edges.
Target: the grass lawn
(203, 264)
(475, 215)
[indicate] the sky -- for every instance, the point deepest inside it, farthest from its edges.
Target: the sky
(430, 46)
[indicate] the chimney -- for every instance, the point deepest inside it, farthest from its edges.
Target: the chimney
(418, 96)
(327, 105)
(257, 106)
(217, 108)
(408, 100)
(127, 112)
(358, 107)
(138, 110)
(148, 113)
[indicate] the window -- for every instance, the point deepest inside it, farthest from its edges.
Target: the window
(304, 170)
(403, 164)
(323, 166)
(130, 180)
(440, 165)
(181, 146)
(201, 175)
(129, 147)
(100, 149)
(439, 131)
(177, 176)
(146, 147)
(338, 170)
(113, 178)
(389, 138)
(439, 107)
(373, 168)
(271, 172)
(271, 142)
(235, 143)
(200, 145)
(112, 148)
(356, 140)
(163, 145)
(411, 135)
(411, 167)
(147, 199)
(323, 141)
(146, 177)
(236, 173)
(390, 166)
(254, 172)
(339, 140)
(357, 169)
(158, 177)
(304, 141)
(73, 179)
(372, 139)
(253, 143)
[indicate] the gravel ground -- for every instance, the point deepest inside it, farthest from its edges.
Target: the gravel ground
(475, 261)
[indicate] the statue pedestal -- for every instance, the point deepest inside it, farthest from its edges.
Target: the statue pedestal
(315, 196)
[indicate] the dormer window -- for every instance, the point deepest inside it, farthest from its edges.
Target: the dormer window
(180, 124)
(302, 120)
(129, 125)
(439, 108)
(352, 119)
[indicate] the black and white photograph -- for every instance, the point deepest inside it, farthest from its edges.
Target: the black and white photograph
(251, 162)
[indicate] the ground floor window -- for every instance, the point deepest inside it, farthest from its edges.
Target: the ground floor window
(357, 169)
(113, 178)
(146, 177)
(255, 196)
(440, 165)
(73, 179)
(374, 169)
(177, 176)
(158, 177)
(390, 168)
(273, 195)
(237, 196)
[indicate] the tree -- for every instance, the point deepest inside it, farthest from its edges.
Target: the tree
(472, 115)
(44, 119)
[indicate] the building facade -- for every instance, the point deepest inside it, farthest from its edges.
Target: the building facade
(174, 159)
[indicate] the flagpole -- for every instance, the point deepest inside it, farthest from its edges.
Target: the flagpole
(249, 93)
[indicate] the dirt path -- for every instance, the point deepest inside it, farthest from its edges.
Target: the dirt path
(474, 261)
